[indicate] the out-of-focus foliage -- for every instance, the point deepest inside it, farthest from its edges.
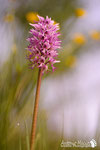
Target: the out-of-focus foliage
(59, 10)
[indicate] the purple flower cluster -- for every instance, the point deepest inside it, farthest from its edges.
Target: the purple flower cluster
(43, 44)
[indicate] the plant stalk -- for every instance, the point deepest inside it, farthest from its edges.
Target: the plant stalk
(34, 122)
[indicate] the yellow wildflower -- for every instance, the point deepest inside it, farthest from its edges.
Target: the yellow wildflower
(9, 18)
(31, 17)
(55, 22)
(70, 61)
(80, 12)
(95, 35)
(79, 38)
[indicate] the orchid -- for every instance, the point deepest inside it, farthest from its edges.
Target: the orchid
(42, 52)
(43, 44)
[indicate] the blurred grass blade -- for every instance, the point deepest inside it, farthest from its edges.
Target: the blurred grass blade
(27, 137)
(20, 147)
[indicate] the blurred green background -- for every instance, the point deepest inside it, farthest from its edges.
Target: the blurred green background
(17, 81)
